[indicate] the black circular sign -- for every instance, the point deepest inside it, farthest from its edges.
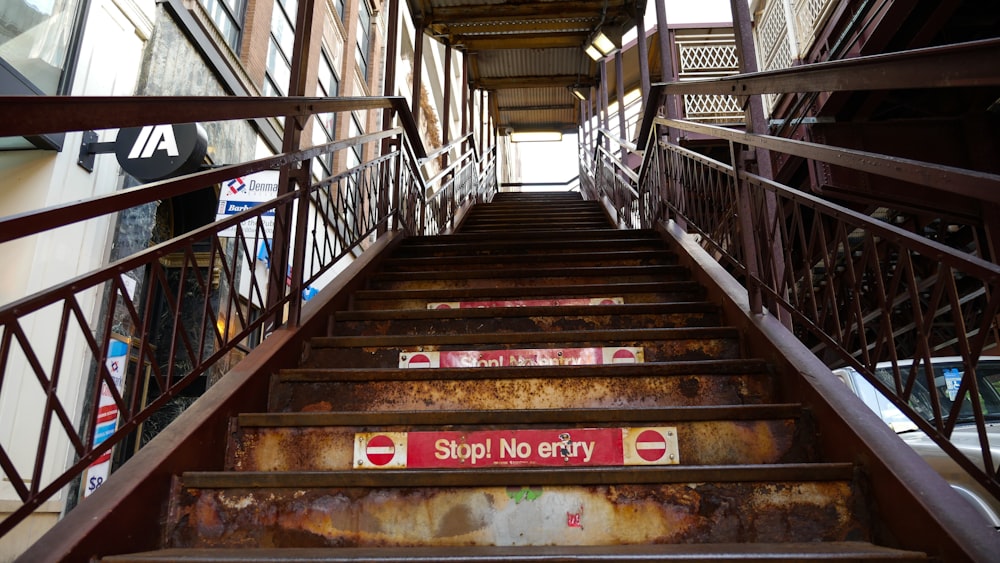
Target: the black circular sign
(154, 152)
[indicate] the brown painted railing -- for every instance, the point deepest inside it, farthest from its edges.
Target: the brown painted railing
(849, 285)
(190, 303)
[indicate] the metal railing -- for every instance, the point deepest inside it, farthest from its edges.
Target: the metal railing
(858, 290)
(203, 300)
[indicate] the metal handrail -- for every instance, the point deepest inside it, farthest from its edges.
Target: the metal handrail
(195, 274)
(837, 278)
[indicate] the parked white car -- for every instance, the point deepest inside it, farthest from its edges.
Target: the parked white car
(947, 374)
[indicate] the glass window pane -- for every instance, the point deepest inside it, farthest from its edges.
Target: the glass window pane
(228, 18)
(35, 36)
(282, 30)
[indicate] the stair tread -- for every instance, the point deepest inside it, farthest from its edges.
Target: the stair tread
(529, 272)
(537, 291)
(498, 261)
(622, 417)
(700, 367)
(608, 336)
(532, 311)
(785, 552)
(538, 240)
(510, 476)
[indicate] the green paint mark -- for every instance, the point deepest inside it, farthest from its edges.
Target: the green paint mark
(524, 493)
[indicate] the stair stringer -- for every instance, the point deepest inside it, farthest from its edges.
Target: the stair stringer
(125, 515)
(912, 506)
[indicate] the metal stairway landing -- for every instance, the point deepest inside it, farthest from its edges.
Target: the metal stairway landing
(591, 349)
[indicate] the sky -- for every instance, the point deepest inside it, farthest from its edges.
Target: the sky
(557, 162)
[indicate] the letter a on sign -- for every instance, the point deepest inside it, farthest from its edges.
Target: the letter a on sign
(153, 138)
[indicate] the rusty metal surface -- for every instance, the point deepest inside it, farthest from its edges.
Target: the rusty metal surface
(661, 345)
(651, 292)
(538, 515)
(608, 258)
(544, 321)
(792, 552)
(310, 448)
(493, 392)
(512, 278)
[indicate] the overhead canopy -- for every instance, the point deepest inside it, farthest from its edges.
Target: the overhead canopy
(529, 54)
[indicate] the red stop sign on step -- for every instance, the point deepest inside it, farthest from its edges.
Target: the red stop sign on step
(650, 445)
(380, 450)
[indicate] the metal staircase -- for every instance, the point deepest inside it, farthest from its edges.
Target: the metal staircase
(523, 436)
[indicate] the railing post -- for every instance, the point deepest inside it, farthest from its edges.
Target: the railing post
(392, 39)
(298, 257)
(742, 27)
(747, 234)
(620, 94)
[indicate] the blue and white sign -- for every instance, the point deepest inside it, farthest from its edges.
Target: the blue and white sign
(247, 192)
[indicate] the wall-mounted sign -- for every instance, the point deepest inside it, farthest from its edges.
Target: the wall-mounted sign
(155, 152)
(107, 414)
(246, 192)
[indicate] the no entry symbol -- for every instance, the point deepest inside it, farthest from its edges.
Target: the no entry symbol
(380, 450)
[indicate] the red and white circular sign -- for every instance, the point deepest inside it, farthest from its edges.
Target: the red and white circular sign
(623, 356)
(380, 450)
(419, 361)
(650, 445)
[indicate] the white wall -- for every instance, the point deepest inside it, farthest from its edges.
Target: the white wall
(109, 64)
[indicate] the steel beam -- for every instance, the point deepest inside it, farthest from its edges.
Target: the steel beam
(950, 66)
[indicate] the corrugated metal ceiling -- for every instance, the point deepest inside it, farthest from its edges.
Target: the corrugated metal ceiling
(527, 54)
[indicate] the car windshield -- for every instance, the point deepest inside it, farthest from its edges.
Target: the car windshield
(947, 377)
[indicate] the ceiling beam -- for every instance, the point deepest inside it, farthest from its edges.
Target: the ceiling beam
(538, 108)
(500, 12)
(513, 26)
(555, 81)
(519, 41)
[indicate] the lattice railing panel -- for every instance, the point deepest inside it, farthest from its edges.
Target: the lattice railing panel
(810, 16)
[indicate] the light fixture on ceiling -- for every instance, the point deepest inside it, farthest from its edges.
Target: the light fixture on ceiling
(581, 92)
(535, 136)
(600, 46)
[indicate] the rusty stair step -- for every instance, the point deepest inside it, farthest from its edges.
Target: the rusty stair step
(508, 506)
(500, 246)
(539, 212)
(519, 277)
(510, 476)
(705, 435)
(520, 417)
(607, 258)
(537, 221)
(716, 552)
(583, 337)
(534, 236)
(539, 271)
(643, 292)
(521, 319)
(696, 343)
(502, 229)
(721, 382)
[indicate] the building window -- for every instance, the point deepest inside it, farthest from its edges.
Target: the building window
(364, 37)
(35, 39)
(325, 123)
(279, 48)
(339, 6)
(228, 18)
